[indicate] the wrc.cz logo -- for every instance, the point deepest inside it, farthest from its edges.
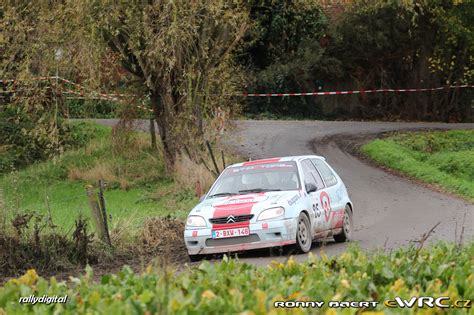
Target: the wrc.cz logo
(427, 301)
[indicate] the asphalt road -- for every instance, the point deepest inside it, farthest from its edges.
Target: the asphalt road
(389, 211)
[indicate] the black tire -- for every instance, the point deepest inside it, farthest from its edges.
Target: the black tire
(304, 237)
(347, 227)
(196, 258)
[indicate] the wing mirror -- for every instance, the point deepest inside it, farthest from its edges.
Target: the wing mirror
(310, 187)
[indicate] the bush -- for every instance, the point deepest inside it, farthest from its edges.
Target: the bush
(27, 139)
(31, 240)
(232, 287)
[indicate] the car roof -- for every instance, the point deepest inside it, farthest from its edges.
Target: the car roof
(276, 159)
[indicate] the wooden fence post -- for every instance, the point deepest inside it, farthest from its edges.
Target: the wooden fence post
(97, 215)
(104, 210)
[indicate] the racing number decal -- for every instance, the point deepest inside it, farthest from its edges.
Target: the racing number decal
(326, 203)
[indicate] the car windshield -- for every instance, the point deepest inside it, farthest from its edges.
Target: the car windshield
(256, 178)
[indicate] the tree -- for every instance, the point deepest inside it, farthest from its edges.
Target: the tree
(285, 49)
(409, 44)
(179, 54)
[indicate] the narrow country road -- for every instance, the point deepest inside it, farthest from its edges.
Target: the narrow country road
(389, 211)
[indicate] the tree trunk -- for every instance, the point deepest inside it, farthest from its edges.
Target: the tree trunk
(165, 130)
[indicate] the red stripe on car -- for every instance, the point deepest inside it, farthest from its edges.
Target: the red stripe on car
(232, 209)
(273, 160)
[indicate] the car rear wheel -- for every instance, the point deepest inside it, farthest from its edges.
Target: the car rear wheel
(304, 238)
(347, 227)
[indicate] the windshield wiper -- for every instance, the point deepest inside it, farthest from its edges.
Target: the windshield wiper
(222, 194)
(256, 190)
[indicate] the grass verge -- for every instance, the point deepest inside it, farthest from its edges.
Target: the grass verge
(134, 174)
(44, 211)
(232, 287)
(442, 158)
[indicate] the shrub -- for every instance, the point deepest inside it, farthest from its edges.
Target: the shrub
(233, 287)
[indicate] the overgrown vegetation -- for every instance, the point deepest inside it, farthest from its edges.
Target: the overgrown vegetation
(442, 158)
(306, 46)
(31, 240)
(136, 185)
(234, 287)
(45, 214)
(25, 139)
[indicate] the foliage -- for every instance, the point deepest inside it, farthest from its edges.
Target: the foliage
(409, 44)
(443, 158)
(176, 54)
(91, 109)
(31, 107)
(137, 186)
(176, 57)
(29, 135)
(31, 240)
(303, 46)
(234, 287)
(286, 52)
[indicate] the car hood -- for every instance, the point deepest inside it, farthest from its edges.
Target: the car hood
(244, 204)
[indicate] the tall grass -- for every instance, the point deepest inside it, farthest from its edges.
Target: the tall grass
(134, 174)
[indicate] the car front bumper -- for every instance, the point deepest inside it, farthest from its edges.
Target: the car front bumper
(263, 234)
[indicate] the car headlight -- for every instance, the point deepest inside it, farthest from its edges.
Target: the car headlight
(271, 213)
(195, 221)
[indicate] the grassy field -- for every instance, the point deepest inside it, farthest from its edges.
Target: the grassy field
(231, 287)
(136, 185)
(442, 158)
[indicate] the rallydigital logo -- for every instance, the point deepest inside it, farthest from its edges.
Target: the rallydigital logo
(45, 299)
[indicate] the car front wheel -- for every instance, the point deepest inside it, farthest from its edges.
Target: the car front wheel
(304, 238)
(195, 258)
(347, 227)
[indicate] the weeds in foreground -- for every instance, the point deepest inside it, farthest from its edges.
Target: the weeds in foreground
(233, 287)
(29, 240)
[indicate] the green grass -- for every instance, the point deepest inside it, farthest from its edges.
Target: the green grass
(442, 158)
(232, 287)
(137, 187)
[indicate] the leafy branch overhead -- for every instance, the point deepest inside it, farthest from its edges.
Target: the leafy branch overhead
(179, 53)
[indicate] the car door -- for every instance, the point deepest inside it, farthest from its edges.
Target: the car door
(311, 176)
(331, 201)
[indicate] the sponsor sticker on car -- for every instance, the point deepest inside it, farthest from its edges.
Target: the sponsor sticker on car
(243, 231)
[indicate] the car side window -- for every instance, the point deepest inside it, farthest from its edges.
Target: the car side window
(311, 174)
(325, 171)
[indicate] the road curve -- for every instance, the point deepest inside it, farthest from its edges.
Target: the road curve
(389, 211)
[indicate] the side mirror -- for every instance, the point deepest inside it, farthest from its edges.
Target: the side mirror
(310, 187)
(202, 197)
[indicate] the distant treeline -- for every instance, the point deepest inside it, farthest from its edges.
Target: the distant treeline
(369, 44)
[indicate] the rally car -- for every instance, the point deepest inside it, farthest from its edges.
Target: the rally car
(269, 203)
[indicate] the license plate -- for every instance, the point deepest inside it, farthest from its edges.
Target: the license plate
(230, 232)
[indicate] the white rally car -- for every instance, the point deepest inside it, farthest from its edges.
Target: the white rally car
(268, 203)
